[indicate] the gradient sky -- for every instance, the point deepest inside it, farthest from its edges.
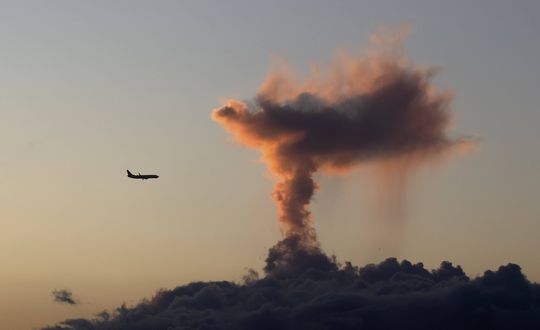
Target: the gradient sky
(92, 88)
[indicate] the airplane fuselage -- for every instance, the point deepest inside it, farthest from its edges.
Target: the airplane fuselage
(141, 176)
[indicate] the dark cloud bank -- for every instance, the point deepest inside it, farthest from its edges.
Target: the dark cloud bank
(305, 289)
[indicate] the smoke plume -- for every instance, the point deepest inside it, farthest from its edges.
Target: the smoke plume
(377, 107)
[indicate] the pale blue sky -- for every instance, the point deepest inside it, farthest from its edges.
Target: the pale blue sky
(90, 89)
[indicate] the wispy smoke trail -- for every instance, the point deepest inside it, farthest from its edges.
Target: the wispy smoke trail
(375, 107)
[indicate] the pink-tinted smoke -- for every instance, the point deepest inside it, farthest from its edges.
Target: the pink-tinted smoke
(378, 106)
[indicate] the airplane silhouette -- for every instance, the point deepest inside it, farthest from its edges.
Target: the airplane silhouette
(141, 176)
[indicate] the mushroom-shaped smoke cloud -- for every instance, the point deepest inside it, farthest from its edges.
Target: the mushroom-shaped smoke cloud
(375, 107)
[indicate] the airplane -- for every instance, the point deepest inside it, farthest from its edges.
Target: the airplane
(141, 176)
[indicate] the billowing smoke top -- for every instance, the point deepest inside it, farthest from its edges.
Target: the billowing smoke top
(291, 257)
(375, 107)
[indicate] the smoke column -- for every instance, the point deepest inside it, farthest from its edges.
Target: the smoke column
(378, 106)
(374, 108)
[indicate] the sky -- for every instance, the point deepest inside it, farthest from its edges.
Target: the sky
(90, 89)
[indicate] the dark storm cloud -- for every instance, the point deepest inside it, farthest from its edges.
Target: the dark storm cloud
(326, 295)
(64, 296)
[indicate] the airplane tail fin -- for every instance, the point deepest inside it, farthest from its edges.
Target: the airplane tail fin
(129, 173)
